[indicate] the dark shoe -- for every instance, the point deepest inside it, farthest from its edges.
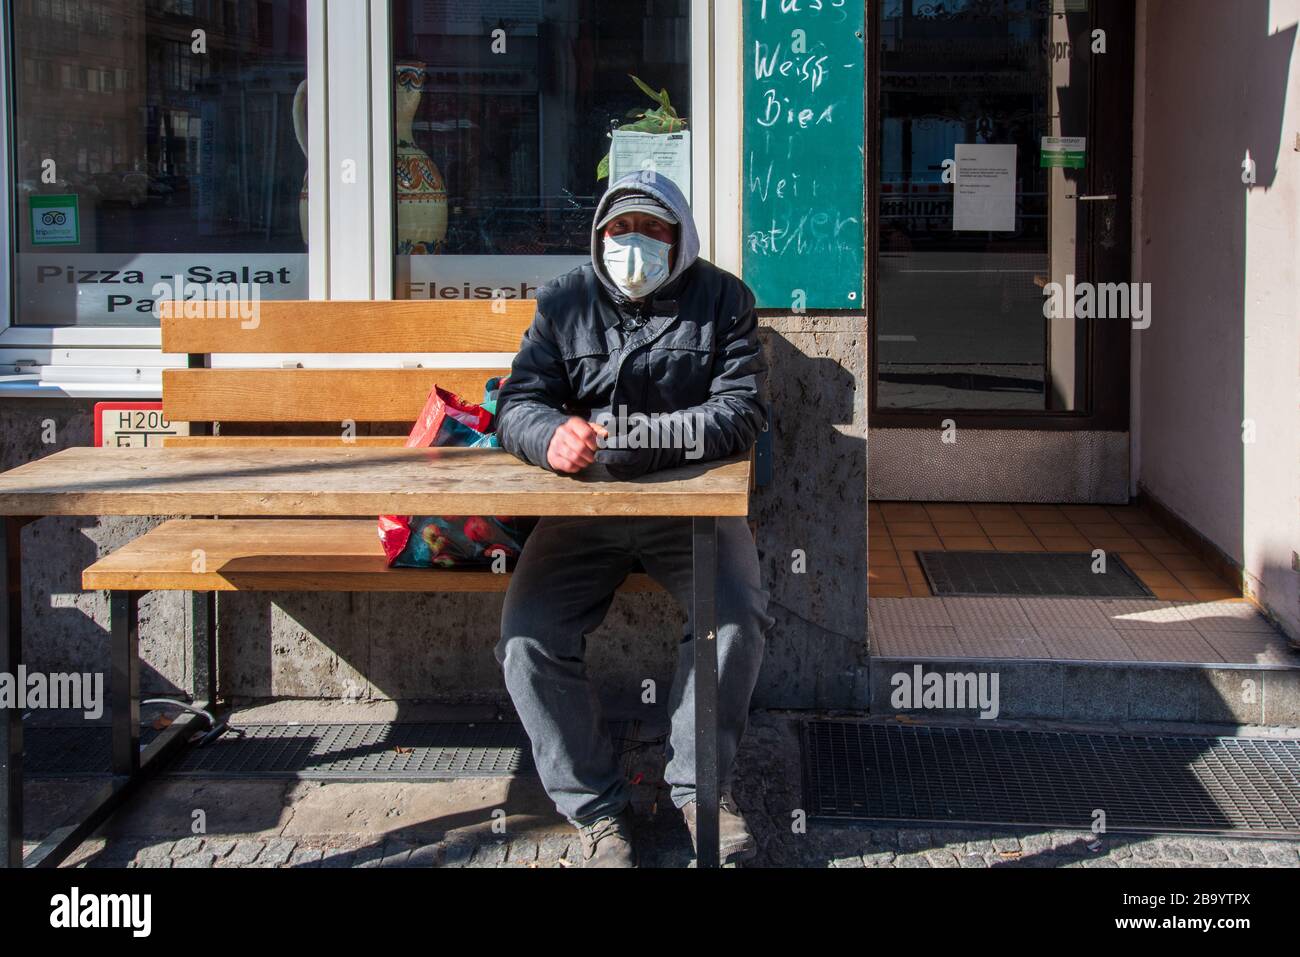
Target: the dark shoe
(734, 840)
(607, 842)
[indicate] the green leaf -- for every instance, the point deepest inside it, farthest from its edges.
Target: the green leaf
(646, 89)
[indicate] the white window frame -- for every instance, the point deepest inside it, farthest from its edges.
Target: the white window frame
(720, 77)
(350, 117)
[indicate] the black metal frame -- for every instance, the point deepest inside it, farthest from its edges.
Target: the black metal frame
(130, 768)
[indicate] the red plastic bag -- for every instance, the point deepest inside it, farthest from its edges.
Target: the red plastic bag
(449, 541)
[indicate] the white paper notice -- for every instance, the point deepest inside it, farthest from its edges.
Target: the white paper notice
(666, 153)
(985, 191)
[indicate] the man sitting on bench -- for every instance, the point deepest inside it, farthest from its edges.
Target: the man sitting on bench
(646, 338)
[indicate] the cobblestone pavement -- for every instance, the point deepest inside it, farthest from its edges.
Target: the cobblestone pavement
(834, 848)
(767, 789)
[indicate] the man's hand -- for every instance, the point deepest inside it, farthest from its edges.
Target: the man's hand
(573, 445)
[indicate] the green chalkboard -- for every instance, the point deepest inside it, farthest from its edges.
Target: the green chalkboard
(802, 155)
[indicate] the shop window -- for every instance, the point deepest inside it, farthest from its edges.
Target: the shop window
(503, 115)
(162, 152)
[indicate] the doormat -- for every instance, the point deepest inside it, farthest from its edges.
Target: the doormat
(891, 773)
(1029, 575)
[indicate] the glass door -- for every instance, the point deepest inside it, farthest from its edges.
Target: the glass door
(988, 210)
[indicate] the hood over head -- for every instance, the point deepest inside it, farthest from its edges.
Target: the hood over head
(665, 191)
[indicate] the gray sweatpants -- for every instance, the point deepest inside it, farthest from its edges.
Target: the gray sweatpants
(561, 590)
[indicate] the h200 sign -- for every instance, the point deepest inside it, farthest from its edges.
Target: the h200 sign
(121, 425)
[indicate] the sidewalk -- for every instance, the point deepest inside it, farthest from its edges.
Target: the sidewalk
(508, 822)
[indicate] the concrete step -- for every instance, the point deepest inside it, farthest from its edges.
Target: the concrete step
(1073, 659)
(1105, 692)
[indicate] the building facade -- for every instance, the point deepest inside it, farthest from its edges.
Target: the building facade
(1033, 251)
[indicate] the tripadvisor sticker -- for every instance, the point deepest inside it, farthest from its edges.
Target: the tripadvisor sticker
(1066, 152)
(54, 220)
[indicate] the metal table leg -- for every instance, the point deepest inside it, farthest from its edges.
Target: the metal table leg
(124, 625)
(11, 719)
(704, 560)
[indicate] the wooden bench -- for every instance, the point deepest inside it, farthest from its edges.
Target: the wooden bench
(232, 407)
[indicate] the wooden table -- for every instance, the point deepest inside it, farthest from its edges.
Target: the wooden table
(332, 482)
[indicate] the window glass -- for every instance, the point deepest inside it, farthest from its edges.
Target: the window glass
(504, 113)
(156, 139)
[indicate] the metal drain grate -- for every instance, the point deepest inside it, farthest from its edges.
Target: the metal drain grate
(324, 752)
(1029, 574)
(71, 751)
(891, 773)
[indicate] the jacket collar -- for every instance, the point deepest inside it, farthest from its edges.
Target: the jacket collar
(659, 304)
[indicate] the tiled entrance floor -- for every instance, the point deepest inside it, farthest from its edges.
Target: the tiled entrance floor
(1078, 629)
(898, 530)
(1196, 617)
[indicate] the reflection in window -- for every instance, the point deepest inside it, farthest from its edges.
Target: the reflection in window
(502, 114)
(154, 138)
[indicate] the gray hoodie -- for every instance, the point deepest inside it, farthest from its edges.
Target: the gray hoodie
(668, 193)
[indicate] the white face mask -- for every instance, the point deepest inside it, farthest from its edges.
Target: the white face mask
(637, 264)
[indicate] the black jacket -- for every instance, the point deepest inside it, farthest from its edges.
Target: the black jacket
(691, 347)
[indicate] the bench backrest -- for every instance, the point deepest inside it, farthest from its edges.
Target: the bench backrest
(201, 395)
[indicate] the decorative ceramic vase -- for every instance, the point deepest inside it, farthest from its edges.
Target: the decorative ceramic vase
(421, 193)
